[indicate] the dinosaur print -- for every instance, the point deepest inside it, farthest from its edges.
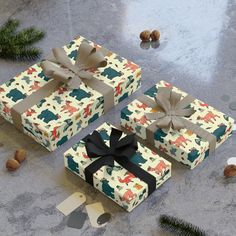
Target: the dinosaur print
(142, 120)
(88, 110)
(79, 94)
(129, 128)
(30, 112)
(55, 133)
(193, 154)
(107, 189)
(15, 95)
(138, 159)
(2, 90)
(42, 76)
(127, 179)
(180, 141)
(118, 89)
(6, 109)
(62, 140)
(159, 168)
(219, 132)
(47, 116)
(94, 117)
(35, 86)
(72, 164)
(209, 117)
(142, 106)
(111, 73)
(73, 54)
(128, 196)
(104, 135)
(131, 66)
(124, 96)
(85, 155)
(68, 108)
(152, 91)
(159, 135)
(30, 70)
(125, 113)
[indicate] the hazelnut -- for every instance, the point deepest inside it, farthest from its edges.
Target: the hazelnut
(145, 35)
(20, 155)
(12, 165)
(155, 35)
(230, 171)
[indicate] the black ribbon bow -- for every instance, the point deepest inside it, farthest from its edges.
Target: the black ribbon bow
(120, 150)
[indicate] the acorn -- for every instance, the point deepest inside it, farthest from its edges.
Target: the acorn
(230, 171)
(20, 155)
(12, 165)
(145, 35)
(155, 35)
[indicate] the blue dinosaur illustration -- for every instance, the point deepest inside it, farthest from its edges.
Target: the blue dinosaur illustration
(104, 134)
(26, 79)
(193, 155)
(152, 91)
(96, 116)
(159, 135)
(15, 95)
(47, 116)
(107, 189)
(125, 95)
(43, 76)
(125, 113)
(62, 140)
(138, 129)
(39, 104)
(73, 54)
(110, 73)
(9, 82)
(79, 94)
(173, 151)
(72, 164)
(138, 159)
(131, 80)
(219, 132)
(69, 123)
(70, 44)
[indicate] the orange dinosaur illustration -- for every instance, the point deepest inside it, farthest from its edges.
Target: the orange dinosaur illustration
(118, 89)
(2, 90)
(180, 141)
(87, 110)
(85, 155)
(168, 85)
(143, 106)
(128, 196)
(131, 66)
(68, 108)
(209, 117)
(128, 178)
(55, 134)
(35, 86)
(159, 167)
(203, 104)
(61, 90)
(30, 71)
(142, 120)
(29, 112)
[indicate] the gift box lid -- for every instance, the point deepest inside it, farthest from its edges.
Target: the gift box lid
(116, 182)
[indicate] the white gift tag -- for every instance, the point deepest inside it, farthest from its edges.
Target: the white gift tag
(71, 203)
(234, 127)
(94, 211)
(231, 161)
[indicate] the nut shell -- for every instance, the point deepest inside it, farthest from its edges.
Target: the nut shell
(230, 171)
(20, 155)
(145, 35)
(155, 35)
(12, 165)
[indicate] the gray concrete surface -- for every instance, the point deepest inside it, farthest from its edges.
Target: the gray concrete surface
(197, 53)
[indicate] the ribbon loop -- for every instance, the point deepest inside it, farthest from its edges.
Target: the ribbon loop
(71, 74)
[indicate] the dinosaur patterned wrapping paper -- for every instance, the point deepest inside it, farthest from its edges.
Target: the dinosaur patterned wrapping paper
(184, 146)
(58, 117)
(116, 182)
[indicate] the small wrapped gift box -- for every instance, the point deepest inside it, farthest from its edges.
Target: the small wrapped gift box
(118, 166)
(53, 100)
(183, 127)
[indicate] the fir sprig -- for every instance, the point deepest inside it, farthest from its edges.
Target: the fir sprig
(17, 45)
(180, 227)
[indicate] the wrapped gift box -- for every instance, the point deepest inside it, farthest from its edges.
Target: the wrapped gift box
(183, 145)
(116, 182)
(58, 117)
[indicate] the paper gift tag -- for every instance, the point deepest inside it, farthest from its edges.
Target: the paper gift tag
(76, 219)
(234, 127)
(94, 211)
(231, 161)
(71, 203)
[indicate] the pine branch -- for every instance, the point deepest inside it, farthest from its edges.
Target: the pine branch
(16, 45)
(180, 227)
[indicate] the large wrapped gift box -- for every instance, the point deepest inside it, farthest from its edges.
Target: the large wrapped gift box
(120, 185)
(63, 113)
(184, 145)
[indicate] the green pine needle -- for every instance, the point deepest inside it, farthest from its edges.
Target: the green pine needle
(179, 227)
(16, 46)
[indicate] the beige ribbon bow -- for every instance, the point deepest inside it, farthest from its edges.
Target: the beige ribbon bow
(60, 67)
(171, 109)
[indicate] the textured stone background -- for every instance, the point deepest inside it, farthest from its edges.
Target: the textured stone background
(197, 53)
